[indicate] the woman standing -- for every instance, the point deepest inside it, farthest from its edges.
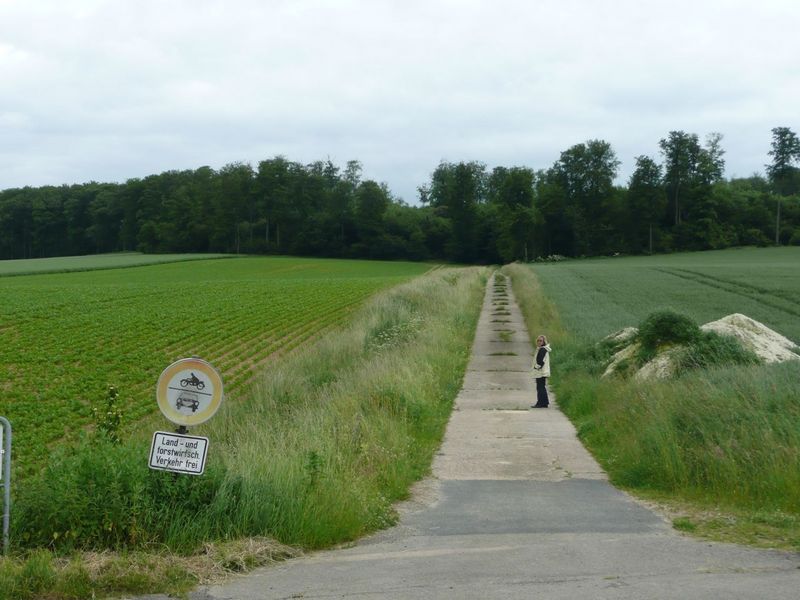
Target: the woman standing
(541, 371)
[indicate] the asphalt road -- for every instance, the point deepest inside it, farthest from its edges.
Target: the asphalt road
(517, 508)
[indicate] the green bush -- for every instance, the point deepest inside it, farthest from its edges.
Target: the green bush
(100, 495)
(666, 327)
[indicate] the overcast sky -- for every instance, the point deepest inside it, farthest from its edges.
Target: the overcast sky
(109, 90)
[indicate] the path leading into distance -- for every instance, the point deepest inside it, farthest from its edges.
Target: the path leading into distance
(517, 508)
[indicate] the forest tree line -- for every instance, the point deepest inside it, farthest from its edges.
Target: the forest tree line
(467, 213)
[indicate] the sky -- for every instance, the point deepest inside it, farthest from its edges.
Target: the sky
(110, 90)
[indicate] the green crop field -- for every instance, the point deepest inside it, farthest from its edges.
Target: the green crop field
(719, 445)
(65, 337)
(66, 264)
(599, 296)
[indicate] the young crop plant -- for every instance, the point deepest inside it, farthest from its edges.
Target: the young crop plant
(121, 327)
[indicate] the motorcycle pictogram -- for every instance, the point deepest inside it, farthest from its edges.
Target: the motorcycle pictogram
(193, 381)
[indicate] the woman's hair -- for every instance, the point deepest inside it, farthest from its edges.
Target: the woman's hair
(543, 338)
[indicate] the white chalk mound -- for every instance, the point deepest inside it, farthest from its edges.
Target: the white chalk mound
(623, 336)
(622, 357)
(770, 346)
(662, 366)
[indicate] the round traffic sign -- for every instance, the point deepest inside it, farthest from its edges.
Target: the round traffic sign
(189, 391)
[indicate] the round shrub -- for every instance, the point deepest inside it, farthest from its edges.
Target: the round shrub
(666, 327)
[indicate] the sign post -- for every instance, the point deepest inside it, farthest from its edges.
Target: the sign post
(5, 476)
(189, 392)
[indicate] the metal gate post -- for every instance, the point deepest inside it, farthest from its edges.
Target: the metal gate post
(5, 480)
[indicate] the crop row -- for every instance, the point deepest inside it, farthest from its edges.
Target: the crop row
(64, 338)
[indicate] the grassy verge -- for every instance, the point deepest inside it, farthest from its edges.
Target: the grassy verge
(329, 439)
(44, 574)
(718, 448)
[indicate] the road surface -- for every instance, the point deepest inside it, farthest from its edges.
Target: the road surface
(517, 508)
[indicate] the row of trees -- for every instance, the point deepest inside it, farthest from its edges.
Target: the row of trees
(467, 213)
(574, 209)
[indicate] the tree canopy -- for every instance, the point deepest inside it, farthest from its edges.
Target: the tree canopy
(466, 214)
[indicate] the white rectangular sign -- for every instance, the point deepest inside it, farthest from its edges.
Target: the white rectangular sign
(178, 453)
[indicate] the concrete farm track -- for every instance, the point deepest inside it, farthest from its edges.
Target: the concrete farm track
(517, 508)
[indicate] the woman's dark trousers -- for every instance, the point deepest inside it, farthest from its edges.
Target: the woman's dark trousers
(541, 392)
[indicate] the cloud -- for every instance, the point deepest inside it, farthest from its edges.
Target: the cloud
(111, 90)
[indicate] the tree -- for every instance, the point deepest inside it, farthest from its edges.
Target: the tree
(272, 193)
(371, 205)
(234, 204)
(554, 233)
(783, 175)
(690, 172)
(456, 190)
(710, 164)
(511, 195)
(106, 214)
(585, 173)
(646, 198)
(681, 151)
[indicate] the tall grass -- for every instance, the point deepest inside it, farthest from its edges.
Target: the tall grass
(328, 439)
(540, 313)
(725, 437)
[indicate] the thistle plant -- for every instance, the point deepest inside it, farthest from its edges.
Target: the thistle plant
(108, 418)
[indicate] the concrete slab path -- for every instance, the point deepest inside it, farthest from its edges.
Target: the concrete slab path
(517, 508)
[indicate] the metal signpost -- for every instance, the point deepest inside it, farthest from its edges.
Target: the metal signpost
(189, 392)
(5, 476)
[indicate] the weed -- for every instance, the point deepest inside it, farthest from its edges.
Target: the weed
(684, 524)
(108, 418)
